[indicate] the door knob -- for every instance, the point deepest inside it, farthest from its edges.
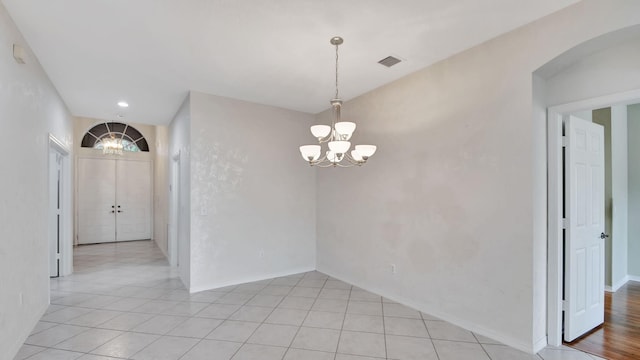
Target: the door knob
(604, 236)
(121, 211)
(112, 211)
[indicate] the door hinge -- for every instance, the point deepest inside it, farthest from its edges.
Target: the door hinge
(565, 306)
(564, 223)
(564, 141)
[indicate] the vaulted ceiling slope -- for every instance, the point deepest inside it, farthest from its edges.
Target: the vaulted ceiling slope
(276, 52)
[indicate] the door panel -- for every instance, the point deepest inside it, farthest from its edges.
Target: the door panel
(133, 184)
(584, 249)
(96, 196)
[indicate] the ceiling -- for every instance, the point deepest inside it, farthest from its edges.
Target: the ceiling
(150, 53)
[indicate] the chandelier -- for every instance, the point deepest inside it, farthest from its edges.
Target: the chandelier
(112, 146)
(336, 136)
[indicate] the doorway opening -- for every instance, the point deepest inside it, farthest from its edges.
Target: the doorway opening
(174, 211)
(557, 300)
(59, 209)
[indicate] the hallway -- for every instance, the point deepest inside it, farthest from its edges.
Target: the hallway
(125, 302)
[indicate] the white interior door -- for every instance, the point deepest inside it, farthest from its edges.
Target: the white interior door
(584, 213)
(133, 205)
(96, 201)
(55, 213)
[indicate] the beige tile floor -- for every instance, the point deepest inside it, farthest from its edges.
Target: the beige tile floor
(125, 302)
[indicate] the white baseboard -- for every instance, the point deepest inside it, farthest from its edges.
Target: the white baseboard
(216, 285)
(506, 339)
(620, 283)
(540, 344)
(634, 278)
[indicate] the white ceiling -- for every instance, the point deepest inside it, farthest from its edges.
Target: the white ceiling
(275, 52)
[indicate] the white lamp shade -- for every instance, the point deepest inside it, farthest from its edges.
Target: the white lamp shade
(339, 147)
(320, 131)
(332, 157)
(345, 128)
(356, 155)
(366, 151)
(310, 152)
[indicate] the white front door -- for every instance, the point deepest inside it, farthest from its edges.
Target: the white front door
(133, 200)
(584, 214)
(114, 200)
(96, 200)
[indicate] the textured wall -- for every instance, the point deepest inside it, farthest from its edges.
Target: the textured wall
(252, 195)
(456, 195)
(30, 109)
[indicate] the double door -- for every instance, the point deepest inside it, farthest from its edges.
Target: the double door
(114, 200)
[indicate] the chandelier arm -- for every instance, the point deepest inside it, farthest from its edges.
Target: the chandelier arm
(353, 161)
(327, 138)
(330, 164)
(319, 161)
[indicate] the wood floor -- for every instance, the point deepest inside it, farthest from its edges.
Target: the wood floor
(619, 337)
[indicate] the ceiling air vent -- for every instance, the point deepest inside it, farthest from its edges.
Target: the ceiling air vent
(389, 61)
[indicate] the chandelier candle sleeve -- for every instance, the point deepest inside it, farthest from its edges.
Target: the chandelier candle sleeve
(336, 136)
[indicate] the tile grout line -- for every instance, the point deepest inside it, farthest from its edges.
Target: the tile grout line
(481, 345)
(429, 335)
(384, 329)
(305, 317)
(344, 317)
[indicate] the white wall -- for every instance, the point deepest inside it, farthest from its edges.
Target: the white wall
(30, 109)
(251, 192)
(180, 147)
(633, 113)
(454, 195)
(619, 195)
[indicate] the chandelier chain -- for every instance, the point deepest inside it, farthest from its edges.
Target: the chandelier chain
(337, 97)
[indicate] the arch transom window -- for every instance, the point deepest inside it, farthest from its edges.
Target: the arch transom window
(115, 138)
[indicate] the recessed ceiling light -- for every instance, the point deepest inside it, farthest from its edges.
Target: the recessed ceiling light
(123, 104)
